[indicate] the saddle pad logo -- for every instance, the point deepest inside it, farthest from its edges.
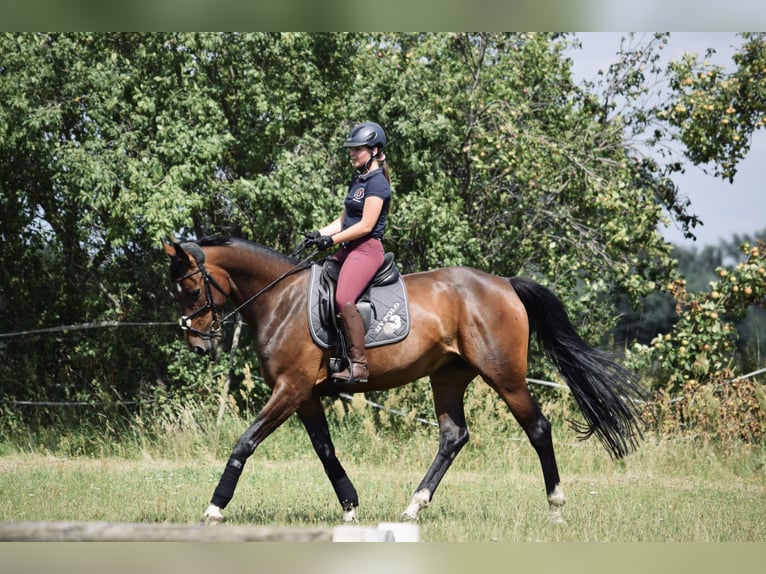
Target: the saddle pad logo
(390, 323)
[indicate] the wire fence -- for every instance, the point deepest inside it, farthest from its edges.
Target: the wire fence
(82, 326)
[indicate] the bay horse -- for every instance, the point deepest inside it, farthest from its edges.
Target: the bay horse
(464, 323)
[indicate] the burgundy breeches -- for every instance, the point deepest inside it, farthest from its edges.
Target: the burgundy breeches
(359, 260)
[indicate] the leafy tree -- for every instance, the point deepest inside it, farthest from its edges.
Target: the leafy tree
(694, 362)
(660, 311)
(112, 141)
(108, 141)
(701, 345)
(716, 112)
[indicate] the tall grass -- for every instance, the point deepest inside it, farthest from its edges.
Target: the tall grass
(162, 466)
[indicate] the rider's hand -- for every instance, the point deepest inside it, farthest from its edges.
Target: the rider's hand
(324, 242)
(309, 240)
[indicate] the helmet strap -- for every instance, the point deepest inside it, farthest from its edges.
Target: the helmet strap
(373, 157)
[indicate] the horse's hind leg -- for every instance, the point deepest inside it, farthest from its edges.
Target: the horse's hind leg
(313, 417)
(526, 411)
(448, 386)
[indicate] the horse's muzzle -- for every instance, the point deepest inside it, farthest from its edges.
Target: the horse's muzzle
(204, 347)
(198, 350)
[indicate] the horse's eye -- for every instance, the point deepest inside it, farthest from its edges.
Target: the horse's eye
(194, 294)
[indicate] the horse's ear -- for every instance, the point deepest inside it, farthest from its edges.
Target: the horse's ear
(173, 249)
(169, 249)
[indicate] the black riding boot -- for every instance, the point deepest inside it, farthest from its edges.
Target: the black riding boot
(351, 323)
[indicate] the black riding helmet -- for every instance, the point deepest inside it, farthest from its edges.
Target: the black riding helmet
(367, 134)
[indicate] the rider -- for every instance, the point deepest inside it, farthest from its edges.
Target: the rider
(359, 230)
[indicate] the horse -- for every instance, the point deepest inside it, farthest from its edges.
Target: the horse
(465, 323)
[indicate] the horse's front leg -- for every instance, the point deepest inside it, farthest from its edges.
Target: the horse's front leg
(283, 402)
(313, 417)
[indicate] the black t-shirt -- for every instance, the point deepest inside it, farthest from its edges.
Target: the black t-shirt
(363, 186)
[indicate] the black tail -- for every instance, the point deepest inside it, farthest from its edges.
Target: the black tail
(607, 393)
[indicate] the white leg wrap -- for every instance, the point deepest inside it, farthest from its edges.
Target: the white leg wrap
(420, 500)
(349, 515)
(212, 515)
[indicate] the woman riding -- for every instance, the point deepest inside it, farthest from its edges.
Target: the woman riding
(359, 230)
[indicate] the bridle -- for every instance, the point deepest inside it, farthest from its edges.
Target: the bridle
(216, 323)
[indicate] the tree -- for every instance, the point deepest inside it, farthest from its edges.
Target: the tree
(716, 112)
(108, 142)
(112, 141)
(659, 312)
(694, 362)
(713, 113)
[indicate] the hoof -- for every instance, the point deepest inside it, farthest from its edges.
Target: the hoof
(556, 516)
(556, 502)
(211, 520)
(349, 516)
(420, 500)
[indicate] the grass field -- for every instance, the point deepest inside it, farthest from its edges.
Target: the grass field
(679, 491)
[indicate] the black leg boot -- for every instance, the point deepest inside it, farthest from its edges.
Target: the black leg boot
(353, 331)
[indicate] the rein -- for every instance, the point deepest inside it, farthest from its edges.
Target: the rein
(215, 330)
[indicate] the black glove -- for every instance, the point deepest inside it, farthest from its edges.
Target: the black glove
(310, 239)
(324, 242)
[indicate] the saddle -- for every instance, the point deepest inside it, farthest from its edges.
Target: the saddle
(383, 305)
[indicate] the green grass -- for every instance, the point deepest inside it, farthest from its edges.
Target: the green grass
(681, 491)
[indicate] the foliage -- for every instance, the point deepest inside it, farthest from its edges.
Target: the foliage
(699, 348)
(719, 411)
(717, 112)
(697, 267)
(692, 364)
(516, 171)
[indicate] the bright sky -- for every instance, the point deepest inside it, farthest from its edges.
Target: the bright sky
(725, 209)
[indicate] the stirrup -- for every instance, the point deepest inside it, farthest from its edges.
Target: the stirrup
(341, 378)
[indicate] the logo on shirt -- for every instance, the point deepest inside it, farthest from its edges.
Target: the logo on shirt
(359, 194)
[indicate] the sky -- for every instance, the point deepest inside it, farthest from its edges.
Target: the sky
(725, 209)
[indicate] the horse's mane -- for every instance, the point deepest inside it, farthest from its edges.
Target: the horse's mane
(227, 241)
